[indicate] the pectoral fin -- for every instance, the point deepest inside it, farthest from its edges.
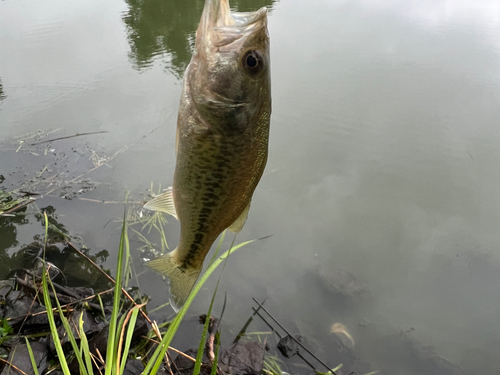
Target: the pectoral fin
(237, 226)
(163, 202)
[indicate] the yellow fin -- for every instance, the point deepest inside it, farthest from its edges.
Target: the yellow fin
(237, 226)
(342, 333)
(181, 280)
(163, 202)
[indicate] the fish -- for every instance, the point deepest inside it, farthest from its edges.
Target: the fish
(221, 140)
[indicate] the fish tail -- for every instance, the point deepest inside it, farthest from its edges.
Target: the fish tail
(181, 280)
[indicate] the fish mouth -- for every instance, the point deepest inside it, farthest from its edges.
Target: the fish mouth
(244, 19)
(219, 26)
(216, 13)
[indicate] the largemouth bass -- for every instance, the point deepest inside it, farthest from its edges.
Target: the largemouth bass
(222, 139)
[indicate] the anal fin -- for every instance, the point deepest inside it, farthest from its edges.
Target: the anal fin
(238, 224)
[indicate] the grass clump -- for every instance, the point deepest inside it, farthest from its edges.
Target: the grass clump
(122, 323)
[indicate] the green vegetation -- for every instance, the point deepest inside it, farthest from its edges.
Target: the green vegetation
(272, 366)
(11, 201)
(122, 321)
(5, 330)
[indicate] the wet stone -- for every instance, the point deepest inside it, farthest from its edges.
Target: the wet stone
(91, 325)
(18, 304)
(340, 289)
(244, 358)
(133, 367)
(342, 282)
(288, 346)
(20, 358)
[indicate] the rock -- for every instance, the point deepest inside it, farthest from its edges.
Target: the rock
(244, 358)
(20, 358)
(341, 282)
(288, 346)
(133, 367)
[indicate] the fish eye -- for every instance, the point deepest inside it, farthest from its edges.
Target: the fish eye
(252, 62)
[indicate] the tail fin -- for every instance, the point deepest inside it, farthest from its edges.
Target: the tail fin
(181, 280)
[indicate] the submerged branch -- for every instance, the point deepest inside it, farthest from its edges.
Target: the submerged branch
(69, 136)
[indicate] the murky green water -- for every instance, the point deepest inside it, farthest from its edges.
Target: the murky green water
(383, 171)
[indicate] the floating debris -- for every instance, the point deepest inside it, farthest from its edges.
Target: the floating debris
(340, 330)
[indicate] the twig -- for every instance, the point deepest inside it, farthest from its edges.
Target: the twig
(100, 165)
(63, 298)
(99, 201)
(244, 328)
(110, 279)
(122, 334)
(26, 316)
(69, 136)
(14, 367)
(154, 326)
(61, 288)
(172, 349)
(171, 361)
(293, 338)
(99, 355)
(94, 360)
(20, 205)
(63, 306)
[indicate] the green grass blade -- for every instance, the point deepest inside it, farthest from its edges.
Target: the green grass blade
(32, 357)
(159, 307)
(219, 245)
(128, 339)
(331, 372)
(271, 365)
(203, 339)
(69, 333)
(50, 314)
(217, 337)
(111, 349)
(85, 350)
(102, 306)
(157, 357)
(127, 269)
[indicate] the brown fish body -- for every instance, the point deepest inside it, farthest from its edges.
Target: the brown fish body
(222, 138)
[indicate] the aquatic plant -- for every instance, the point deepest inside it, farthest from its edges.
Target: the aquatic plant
(10, 201)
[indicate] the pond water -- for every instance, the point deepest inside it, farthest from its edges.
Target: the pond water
(382, 188)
